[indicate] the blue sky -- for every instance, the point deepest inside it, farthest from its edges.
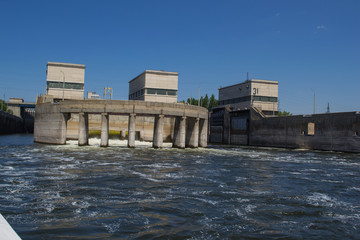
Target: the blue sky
(307, 46)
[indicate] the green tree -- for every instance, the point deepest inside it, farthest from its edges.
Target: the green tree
(194, 101)
(213, 102)
(3, 107)
(284, 113)
(205, 102)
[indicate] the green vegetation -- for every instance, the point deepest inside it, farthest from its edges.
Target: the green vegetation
(3, 107)
(284, 113)
(97, 134)
(205, 102)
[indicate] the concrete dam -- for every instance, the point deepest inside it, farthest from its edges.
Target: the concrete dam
(190, 122)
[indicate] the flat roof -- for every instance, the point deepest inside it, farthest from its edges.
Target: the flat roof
(161, 72)
(252, 80)
(58, 64)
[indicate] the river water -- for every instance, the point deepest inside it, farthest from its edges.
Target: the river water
(71, 192)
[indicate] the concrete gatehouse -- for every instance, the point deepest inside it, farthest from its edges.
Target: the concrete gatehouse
(190, 122)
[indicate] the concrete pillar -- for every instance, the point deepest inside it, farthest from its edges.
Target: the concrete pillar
(83, 129)
(203, 136)
(49, 126)
(123, 134)
(158, 131)
(179, 132)
(104, 130)
(64, 118)
(192, 134)
(131, 131)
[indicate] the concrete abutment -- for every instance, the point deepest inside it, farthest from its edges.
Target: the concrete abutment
(188, 124)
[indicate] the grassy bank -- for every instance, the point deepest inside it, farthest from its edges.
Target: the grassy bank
(112, 134)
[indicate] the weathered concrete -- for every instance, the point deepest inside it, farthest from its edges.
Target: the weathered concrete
(104, 130)
(61, 77)
(127, 107)
(330, 132)
(192, 136)
(83, 129)
(333, 132)
(131, 133)
(59, 113)
(158, 131)
(203, 136)
(50, 124)
(123, 134)
(179, 132)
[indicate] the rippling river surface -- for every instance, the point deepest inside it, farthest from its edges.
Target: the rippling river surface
(71, 192)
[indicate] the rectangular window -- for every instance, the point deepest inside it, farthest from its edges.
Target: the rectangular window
(171, 92)
(256, 98)
(151, 91)
(264, 99)
(66, 85)
(161, 91)
(273, 99)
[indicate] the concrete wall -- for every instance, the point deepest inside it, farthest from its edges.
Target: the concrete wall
(333, 132)
(244, 95)
(68, 73)
(10, 124)
(161, 80)
(136, 85)
(16, 109)
(154, 80)
(50, 124)
(141, 108)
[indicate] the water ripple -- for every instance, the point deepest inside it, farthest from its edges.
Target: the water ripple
(71, 192)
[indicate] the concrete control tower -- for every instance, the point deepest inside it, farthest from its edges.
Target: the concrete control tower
(154, 86)
(65, 81)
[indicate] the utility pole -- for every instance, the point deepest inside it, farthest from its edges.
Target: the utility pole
(63, 84)
(328, 108)
(199, 98)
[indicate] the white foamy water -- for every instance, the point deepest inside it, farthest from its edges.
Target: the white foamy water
(116, 143)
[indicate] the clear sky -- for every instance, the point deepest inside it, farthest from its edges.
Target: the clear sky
(308, 46)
